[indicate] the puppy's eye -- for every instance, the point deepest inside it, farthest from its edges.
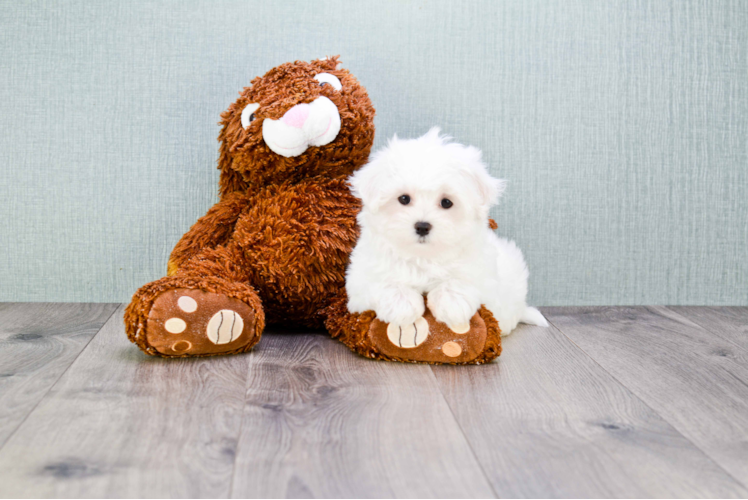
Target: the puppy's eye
(404, 199)
(446, 203)
(328, 79)
(248, 114)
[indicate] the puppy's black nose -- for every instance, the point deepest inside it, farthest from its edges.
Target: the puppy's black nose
(423, 228)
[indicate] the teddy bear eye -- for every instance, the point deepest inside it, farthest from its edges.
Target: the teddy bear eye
(328, 79)
(446, 203)
(248, 114)
(404, 199)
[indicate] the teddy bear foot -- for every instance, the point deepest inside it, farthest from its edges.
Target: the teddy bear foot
(185, 322)
(430, 341)
(424, 341)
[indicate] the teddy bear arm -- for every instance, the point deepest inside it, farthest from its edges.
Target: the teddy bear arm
(210, 231)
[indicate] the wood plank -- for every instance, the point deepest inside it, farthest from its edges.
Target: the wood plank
(121, 424)
(545, 420)
(321, 421)
(697, 381)
(38, 342)
(730, 323)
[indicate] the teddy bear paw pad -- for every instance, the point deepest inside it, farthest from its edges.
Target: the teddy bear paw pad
(225, 326)
(460, 328)
(186, 322)
(430, 341)
(410, 335)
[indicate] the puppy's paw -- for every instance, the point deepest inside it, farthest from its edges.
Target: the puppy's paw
(399, 306)
(453, 305)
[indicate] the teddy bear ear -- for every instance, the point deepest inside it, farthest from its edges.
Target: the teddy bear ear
(333, 62)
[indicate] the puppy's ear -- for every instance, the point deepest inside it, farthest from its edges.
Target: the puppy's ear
(369, 183)
(433, 135)
(489, 188)
(365, 185)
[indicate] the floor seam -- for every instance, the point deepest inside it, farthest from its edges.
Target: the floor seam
(464, 436)
(708, 330)
(639, 398)
(241, 425)
(57, 380)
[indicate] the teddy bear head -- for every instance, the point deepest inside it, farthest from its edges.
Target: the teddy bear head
(300, 120)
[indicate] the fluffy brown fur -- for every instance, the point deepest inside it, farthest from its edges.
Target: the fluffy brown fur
(279, 238)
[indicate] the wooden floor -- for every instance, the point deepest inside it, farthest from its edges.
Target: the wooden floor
(607, 402)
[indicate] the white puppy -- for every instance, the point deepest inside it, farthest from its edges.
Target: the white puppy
(424, 230)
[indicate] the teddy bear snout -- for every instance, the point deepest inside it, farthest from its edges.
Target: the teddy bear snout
(310, 124)
(296, 116)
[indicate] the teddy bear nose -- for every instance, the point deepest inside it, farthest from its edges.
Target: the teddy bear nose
(423, 228)
(296, 116)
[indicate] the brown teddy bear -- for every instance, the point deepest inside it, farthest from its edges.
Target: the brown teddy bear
(275, 247)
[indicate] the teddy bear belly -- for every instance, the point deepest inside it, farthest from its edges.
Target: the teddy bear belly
(296, 258)
(293, 282)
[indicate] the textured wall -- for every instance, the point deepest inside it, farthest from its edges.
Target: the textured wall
(621, 126)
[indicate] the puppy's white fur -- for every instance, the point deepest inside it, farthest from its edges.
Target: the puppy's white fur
(460, 264)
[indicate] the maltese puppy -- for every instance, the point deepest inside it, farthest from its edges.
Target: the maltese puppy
(424, 230)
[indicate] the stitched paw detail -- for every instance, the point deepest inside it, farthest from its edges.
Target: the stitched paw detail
(428, 340)
(192, 322)
(410, 335)
(225, 326)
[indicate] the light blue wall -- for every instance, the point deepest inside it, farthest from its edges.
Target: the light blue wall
(622, 128)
